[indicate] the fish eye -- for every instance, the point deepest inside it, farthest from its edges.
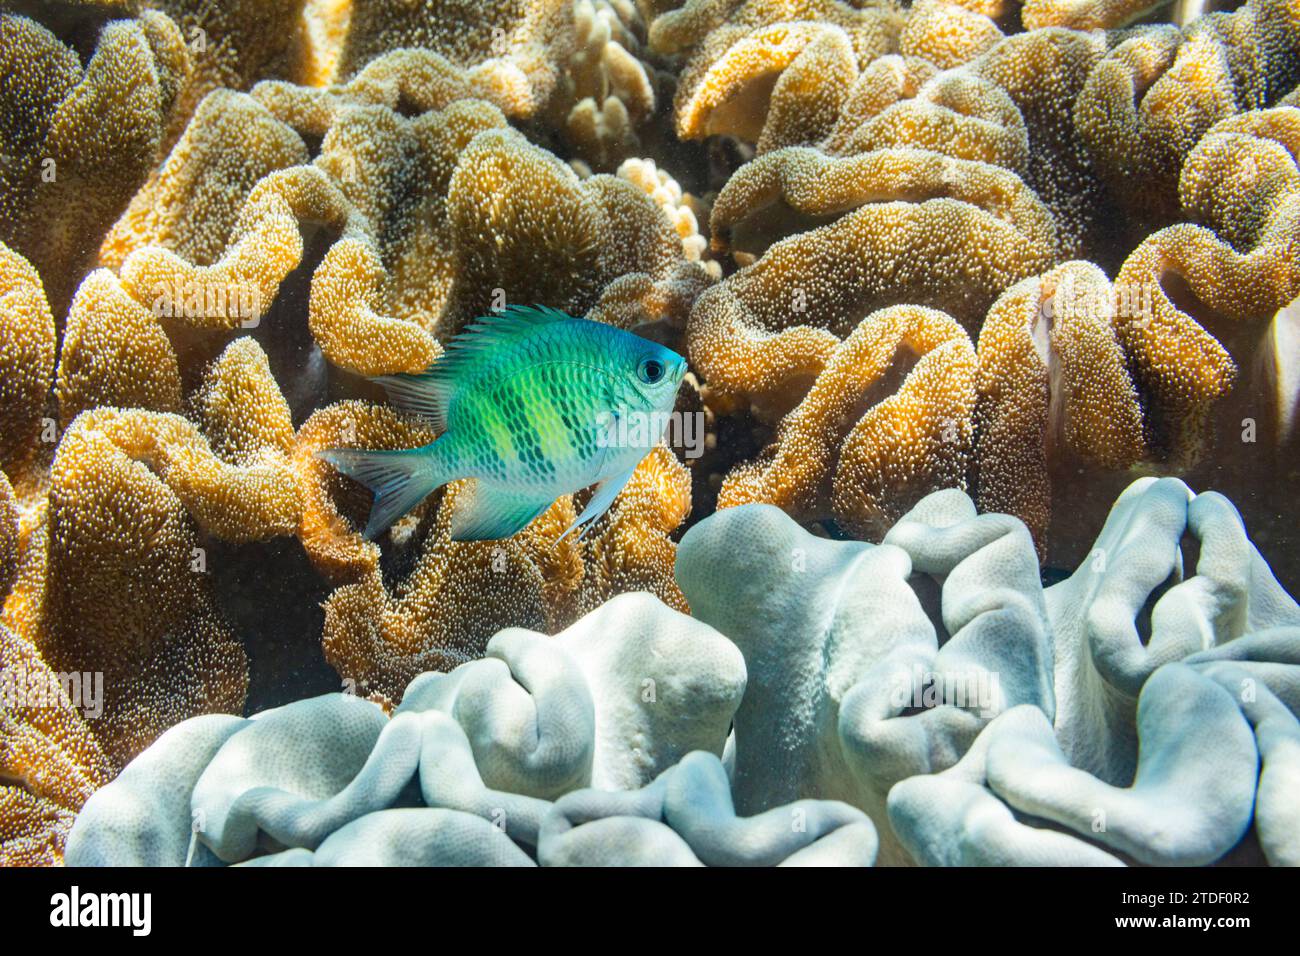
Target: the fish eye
(650, 370)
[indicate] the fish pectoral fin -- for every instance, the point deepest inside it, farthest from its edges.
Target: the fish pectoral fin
(492, 513)
(605, 494)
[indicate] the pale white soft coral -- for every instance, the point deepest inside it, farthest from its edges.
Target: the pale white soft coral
(924, 700)
(609, 91)
(683, 209)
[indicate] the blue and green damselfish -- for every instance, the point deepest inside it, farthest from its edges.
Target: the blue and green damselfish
(529, 403)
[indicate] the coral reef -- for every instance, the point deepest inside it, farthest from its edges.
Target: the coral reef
(511, 49)
(947, 34)
(418, 249)
(925, 699)
(83, 139)
(686, 818)
(1078, 372)
(964, 229)
(1190, 800)
(27, 357)
(1240, 185)
(456, 595)
(115, 545)
(609, 89)
(1149, 101)
(49, 759)
(823, 715)
(1059, 702)
(956, 279)
(682, 208)
(1054, 391)
(633, 695)
(904, 446)
(772, 73)
(171, 428)
(109, 568)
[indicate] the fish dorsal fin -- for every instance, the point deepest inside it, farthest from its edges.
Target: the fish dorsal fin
(512, 322)
(429, 394)
(426, 395)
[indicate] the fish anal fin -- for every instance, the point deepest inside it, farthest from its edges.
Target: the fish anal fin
(492, 513)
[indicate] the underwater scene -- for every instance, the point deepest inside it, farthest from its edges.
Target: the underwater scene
(649, 433)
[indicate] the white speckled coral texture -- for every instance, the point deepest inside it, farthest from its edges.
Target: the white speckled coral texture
(924, 700)
(465, 770)
(686, 816)
(850, 690)
(144, 815)
(1011, 724)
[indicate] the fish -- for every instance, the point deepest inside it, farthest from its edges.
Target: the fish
(533, 404)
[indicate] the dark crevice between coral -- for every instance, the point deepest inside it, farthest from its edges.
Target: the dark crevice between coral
(1053, 575)
(404, 546)
(929, 592)
(1115, 233)
(282, 331)
(752, 236)
(739, 437)
(885, 385)
(1179, 291)
(196, 349)
(830, 529)
(725, 155)
(17, 783)
(76, 24)
(1142, 623)
(687, 161)
(296, 361)
(271, 596)
(310, 139)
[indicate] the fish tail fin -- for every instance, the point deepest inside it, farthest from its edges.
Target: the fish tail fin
(400, 480)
